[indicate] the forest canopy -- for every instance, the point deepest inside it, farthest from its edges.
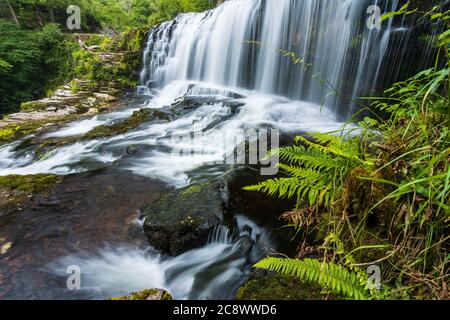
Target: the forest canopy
(117, 15)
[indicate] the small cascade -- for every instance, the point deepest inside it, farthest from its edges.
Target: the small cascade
(214, 271)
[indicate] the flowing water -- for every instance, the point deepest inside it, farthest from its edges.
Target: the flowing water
(259, 64)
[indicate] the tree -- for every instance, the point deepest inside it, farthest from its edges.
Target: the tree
(13, 14)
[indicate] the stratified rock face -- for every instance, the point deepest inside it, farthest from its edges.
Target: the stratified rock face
(149, 294)
(183, 219)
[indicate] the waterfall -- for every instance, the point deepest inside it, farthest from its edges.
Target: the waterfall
(282, 47)
(259, 63)
(247, 64)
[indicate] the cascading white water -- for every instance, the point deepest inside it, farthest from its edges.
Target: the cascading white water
(214, 271)
(266, 56)
(283, 47)
(240, 50)
(159, 155)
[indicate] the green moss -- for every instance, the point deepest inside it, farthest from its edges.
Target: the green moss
(33, 105)
(131, 123)
(29, 183)
(7, 134)
(195, 189)
(120, 68)
(13, 132)
(148, 294)
(132, 40)
(278, 287)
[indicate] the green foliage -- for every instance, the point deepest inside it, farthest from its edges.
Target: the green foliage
(315, 167)
(168, 9)
(29, 61)
(35, 56)
(116, 15)
(326, 274)
(401, 12)
(387, 193)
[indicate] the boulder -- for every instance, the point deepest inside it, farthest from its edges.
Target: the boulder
(40, 104)
(183, 219)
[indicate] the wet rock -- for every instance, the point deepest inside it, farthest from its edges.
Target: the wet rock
(148, 294)
(40, 104)
(105, 97)
(29, 183)
(133, 122)
(265, 285)
(132, 149)
(262, 209)
(183, 219)
(92, 111)
(187, 103)
(5, 247)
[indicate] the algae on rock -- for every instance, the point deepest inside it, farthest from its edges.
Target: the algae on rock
(148, 294)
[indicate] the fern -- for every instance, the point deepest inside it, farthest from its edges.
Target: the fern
(315, 169)
(328, 275)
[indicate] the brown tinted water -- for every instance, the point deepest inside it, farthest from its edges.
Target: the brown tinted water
(85, 212)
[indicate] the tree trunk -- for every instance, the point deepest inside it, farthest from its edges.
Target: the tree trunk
(13, 14)
(38, 14)
(52, 15)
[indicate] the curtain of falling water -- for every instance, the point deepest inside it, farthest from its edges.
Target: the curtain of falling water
(248, 43)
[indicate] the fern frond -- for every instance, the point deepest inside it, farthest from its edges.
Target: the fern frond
(309, 158)
(283, 187)
(304, 183)
(328, 275)
(342, 150)
(313, 184)
(326, 139)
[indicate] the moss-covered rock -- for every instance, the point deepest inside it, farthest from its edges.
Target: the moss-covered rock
(8, 134)
(183, 219)
(34, 105)
(15, 189)
(148, 294)
(15, 131)
(117, 63)
(265, 285)
(29, 183)
(133, 122)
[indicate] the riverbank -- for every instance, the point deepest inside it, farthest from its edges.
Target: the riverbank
(103, 70)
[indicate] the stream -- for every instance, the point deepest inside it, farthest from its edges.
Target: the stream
(232, 62)
(92, 221)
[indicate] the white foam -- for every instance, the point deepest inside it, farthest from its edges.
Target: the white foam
(170, 158)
